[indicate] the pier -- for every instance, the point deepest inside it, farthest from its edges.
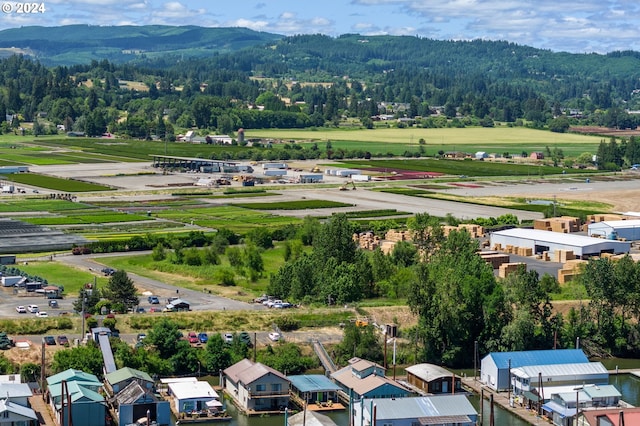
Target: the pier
(502, 399)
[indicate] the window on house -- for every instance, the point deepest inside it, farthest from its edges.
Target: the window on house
(261, 388)
(276, 387)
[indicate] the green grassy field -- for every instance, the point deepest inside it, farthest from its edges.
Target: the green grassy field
(464, 167)
(54, 183)
(55, 273)
(497, 139)
(294, 205)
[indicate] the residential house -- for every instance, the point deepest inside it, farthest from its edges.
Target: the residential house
(563, 406)
(75, 394)
(609, 417)
(12, 414)
(314, 389)
(192, 397)
(537, 155)
(495, 367)
(441, 410)
(121, 378)
(133, 391)
(256, 387)
(430, 378)
(14, 404)
(365, 379)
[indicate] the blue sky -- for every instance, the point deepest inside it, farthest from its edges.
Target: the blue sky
(577, 26)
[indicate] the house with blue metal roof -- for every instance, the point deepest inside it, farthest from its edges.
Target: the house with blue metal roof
(441, 410)
(314, 389)
(495, 367)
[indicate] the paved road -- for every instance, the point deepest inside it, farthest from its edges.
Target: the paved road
(199, 301)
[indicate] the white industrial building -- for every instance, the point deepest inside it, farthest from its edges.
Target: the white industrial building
(613, 229)
(547, 241)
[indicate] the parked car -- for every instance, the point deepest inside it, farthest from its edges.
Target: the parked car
(140, 310)
(33, 309)
(275, 336)
(141, 337)
(245, 338)
(42, 314)
(53, 303)
(49, 340)
(21, 309)
(152, 309)
(228, 337)
(203, 337)
(63, 341)
(153, 300)
(192, 337)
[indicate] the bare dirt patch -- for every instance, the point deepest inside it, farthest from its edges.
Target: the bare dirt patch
(605, 131)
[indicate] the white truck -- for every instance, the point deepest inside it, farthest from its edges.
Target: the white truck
(8, 189)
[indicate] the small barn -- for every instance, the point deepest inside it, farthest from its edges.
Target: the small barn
(495, 367)
(430, 378)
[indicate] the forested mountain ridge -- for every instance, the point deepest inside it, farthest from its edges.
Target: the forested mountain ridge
(424, 82)
(80, 44)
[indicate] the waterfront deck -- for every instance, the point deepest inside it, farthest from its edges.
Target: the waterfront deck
(502, 399)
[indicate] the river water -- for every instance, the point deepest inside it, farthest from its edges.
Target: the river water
(628, 385)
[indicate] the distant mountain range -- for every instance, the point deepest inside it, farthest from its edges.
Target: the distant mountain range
(80, 44)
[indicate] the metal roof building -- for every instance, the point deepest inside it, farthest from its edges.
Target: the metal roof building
(540, 241)
(494, 368)
(612, 229)
(427, 410)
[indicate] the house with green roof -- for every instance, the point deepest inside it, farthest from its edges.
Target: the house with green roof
(134, 397)
(121, 378)
(74, 394)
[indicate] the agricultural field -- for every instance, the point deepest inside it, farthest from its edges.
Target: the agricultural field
(471, 168)
(235, 218)
(498, 139)
(294, 205)
(84, 217)
(39, 204)
(54, 183)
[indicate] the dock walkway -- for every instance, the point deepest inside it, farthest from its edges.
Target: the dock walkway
(502, 399)
(42, 409)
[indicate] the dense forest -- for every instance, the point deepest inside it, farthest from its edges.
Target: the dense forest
(271, 84)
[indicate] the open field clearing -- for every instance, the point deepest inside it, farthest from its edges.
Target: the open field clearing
(497, 139)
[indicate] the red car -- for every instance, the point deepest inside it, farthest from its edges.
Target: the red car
(193, 337)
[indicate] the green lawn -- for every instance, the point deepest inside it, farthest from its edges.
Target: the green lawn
(55, 273)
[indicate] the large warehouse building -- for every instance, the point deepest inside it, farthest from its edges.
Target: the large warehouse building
(612, 229)
(546, 241)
